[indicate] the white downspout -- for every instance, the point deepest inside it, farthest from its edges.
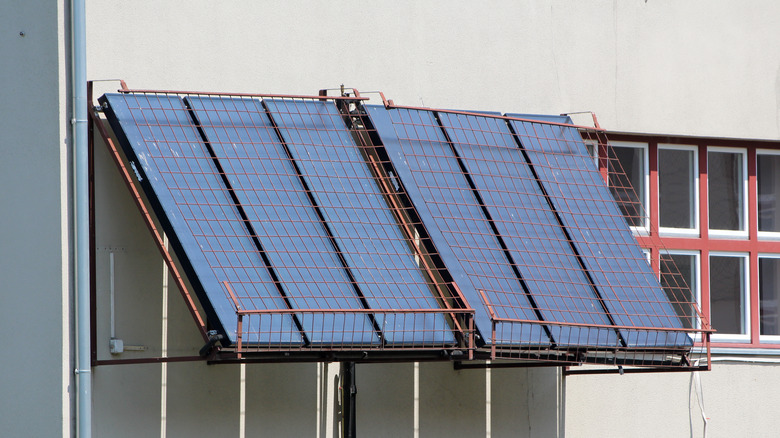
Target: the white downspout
(81, 193)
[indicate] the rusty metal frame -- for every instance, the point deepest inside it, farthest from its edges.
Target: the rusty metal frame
(463, 318)
(389, 104)
(459, 316)
(96, 122)
(705, 332)
(362, 136)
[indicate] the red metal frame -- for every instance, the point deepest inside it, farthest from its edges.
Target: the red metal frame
(463, 318)
(136, 195)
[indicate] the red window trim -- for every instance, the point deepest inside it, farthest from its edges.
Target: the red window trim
(704, 244)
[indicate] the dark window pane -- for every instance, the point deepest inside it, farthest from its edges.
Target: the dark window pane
(768, 192)
(627, 182)
(727, 282)
(675, 188)
(768, 288)
(724, 170)
(592, 150)
(678, 278)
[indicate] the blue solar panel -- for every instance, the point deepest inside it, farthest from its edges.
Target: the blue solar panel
(455, 221)
(191, 201)
(274, 199)
(617, 266)
(360, 220)
(531, 231)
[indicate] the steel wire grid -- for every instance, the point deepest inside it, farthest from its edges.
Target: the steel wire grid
(580, 233)
(299, 224)
(319, 283)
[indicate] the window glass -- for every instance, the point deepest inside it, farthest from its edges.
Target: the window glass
(593, 151)
(678, 278)
(726, 190)
(676, 191)
(627, 182)
(769, 293)
(768, 167)
(727, 291)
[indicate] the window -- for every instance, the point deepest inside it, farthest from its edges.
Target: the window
(677, 189)
(726, 173)
(628, 181)
(680, 280)
(769, 294)
(593, 150)
(768, 170)
(729, 313)
(731, 259)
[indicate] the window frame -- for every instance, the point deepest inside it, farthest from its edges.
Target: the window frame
(744, 298)
(769, 339)
(734, 234)
(673, 231)
(592, 148)
(644, 196)
(696, 290)
(767, 235)
(756, 244)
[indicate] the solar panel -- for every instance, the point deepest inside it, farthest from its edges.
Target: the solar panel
(328, 235)
(197, 212)
(599, 233)
(453, 216)
(364, 228)
(295, 240)
(534, 238)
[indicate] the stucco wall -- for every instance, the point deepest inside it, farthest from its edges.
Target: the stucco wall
(696, 67)
(739, 399)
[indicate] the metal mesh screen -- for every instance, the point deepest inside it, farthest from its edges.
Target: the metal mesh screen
(320, 224)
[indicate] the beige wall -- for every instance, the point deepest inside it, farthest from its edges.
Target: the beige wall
(697, 67)
(739, 398)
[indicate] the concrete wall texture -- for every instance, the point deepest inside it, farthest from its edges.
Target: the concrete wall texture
(35, 279)
(708, 68)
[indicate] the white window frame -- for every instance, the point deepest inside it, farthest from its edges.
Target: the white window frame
(681, 232)
(713, 232)
(773, 339)
(768, 235)
(593, 145)
(697, 278)
(744, 298)
(642, 230)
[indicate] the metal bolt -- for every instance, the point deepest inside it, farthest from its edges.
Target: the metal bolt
(21, 33)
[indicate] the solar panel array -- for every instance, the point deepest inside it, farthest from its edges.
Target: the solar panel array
(325, 223)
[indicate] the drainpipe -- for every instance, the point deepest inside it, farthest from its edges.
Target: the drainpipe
(81, 194)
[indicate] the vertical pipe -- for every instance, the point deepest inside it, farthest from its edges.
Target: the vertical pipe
(111, 289)
(81, 195)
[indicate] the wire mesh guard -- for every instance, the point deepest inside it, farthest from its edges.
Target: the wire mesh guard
(324, 224)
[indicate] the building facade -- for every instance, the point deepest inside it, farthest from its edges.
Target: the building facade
(687, 92)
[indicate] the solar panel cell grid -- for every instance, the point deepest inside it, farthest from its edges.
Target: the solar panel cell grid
(439, 189)
(294, 238)
(601, 235)
(299, 228)
(202, 219)
(536, 242)
(347, 194)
